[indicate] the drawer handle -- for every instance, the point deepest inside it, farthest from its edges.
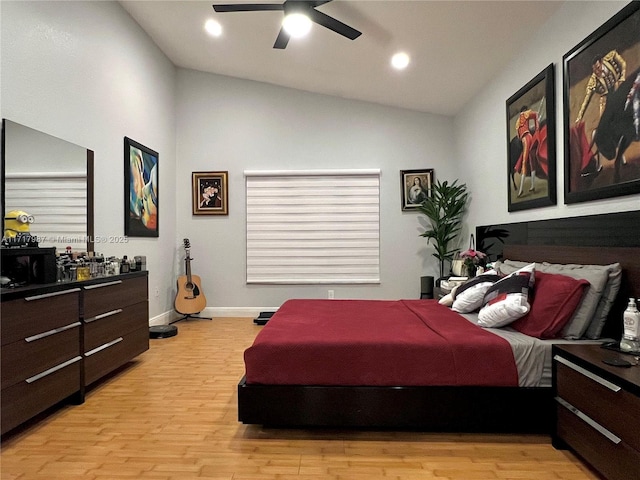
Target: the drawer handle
(603, 431)
(52, 370)
(611, 386)
(100, 285)
(51, 332)
(103, 315)
(102, 347)
(53, 294)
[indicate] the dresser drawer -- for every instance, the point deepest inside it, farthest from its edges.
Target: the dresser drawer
(603, 401)
(33, 315)
(104, 297)
(616, 460)
(115, 323)
(109, 356)
(23, 400)
(25, 359)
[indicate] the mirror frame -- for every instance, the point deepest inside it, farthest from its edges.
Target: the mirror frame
(90, 184)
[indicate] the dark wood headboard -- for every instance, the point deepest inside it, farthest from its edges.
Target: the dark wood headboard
(628, 257)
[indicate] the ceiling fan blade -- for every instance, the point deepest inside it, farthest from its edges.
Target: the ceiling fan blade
(282, 40)
(247, 7)
(333, 24)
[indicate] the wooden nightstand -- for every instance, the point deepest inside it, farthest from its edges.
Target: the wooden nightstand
(598, 409)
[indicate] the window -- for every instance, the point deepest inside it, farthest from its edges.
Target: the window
(313, 227)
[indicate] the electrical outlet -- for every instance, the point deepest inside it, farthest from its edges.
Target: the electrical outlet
(156, 292)
(330, 294)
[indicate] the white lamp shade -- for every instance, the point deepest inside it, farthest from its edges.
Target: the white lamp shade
(296, 24)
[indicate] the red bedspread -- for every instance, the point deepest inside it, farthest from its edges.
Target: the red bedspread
(378, 343)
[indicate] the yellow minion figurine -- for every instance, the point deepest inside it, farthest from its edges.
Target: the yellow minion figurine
(16, 228)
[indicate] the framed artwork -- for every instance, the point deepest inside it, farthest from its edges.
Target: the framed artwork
(141, 195)
(602, 111)
(415, 186)
(210, 193)
(531, 144)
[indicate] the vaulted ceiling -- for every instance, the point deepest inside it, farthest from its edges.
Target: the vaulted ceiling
(456, 47)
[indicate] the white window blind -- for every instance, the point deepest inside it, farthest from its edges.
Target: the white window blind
(313, 227)
(58, 203)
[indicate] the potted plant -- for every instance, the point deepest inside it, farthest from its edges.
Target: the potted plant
(444, 210)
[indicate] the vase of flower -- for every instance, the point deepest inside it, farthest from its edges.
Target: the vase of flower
(472, 260)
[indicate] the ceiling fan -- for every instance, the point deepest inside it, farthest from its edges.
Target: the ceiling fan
(289, 7)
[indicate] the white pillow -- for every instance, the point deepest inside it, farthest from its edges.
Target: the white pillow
(447, 300)
(470, 295)
(508, 299)
(589, 309)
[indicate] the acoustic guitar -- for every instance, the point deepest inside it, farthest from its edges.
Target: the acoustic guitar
(189, 298)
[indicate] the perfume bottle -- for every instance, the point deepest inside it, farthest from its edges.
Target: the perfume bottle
(631, 338)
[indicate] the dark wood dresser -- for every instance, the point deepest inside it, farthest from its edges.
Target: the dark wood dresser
(598, 409)
(58, 338)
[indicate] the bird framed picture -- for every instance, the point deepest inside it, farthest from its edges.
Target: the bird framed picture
(531, 145)
(602, 111)
(210, 193)
(416, 187)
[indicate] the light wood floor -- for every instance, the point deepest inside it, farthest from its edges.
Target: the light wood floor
(171, 415)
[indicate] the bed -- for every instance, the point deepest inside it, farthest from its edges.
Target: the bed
(417, 390)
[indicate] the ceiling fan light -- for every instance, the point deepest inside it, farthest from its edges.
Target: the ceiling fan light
(296, 24)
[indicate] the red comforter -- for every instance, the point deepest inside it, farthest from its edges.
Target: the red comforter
(377, 343)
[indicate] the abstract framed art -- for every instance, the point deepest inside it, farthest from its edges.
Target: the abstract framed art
(602, 111)
(531, 148)
(210, 193)
(416, 187)
(141, 195)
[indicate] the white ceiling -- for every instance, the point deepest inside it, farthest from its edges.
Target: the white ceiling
(456, 46)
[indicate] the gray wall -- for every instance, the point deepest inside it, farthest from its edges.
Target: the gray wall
(86, 73)
(235, 125)
(482, 145)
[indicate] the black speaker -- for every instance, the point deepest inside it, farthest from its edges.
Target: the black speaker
(426, 287)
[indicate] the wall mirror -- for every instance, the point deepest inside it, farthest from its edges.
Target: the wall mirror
(51, 179)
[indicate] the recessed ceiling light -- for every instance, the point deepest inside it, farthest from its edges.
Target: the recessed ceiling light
(400, 61)
(213, 28)
(296, 24)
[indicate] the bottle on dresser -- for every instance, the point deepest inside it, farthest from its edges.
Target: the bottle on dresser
(631, 338)
(124, 265)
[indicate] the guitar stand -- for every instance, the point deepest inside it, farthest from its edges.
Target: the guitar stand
(185, 317)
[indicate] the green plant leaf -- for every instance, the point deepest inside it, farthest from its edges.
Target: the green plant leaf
(444, 209)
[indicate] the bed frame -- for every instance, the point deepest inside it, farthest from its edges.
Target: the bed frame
(437, 408)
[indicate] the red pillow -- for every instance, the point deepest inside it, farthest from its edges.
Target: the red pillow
(555, 299)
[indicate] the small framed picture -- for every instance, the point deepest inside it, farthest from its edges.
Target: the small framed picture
(141, 196)
(210, 193)
(415, 186)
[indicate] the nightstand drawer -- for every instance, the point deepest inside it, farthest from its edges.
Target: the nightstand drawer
(603, 401)
(617, 461)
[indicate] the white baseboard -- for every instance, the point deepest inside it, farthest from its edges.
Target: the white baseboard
(242, 312)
